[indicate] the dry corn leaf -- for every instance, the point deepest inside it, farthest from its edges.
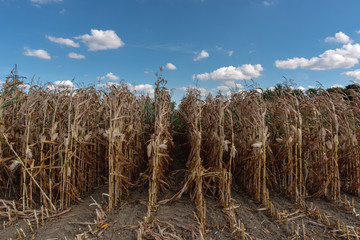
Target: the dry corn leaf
(329, 144)
(116, 133)
(163, 146)
(29, 154)
(54, 137)
(68, 171)
(256, 145)
(87, 137)
(226, 145)
(42, 138)
(149, 149)
(14, 164)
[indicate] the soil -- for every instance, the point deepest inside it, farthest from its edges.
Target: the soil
(123, 222)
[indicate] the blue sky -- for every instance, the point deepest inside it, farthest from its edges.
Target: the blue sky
(217, 43)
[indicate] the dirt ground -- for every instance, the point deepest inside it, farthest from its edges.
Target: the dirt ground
(123, 222)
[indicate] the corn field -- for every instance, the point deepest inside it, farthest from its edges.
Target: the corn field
(59, 144)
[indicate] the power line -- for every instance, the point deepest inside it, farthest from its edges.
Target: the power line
(14, 74)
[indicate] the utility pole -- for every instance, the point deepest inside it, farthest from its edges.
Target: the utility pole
(14, 74)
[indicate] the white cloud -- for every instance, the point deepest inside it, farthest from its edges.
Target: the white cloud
(101, 40)
(63, 41)
(229, 74)
(345, 57)
(61, 84)
(223, 88)
(108, 77)
(203, 54)
(66, 83)
(292, 63)
(146, 89)
(184, 89)
(41, 2)
(357, 31)
(232, 84)
(39, 53)
(170, 66)
(301, 88)
(311, 86)
(24, 86)
(354, 74)
(108, 84)
(143, 88)
(203, 91)
(268, 3)
(340, 37)
(231, 53)
(76, 56)
(337, 86)
(147, 72)
(62, 11)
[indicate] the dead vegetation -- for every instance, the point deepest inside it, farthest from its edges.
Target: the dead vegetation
(57, 144)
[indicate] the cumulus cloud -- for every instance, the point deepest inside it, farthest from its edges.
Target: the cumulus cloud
(24, 86)
(170, 66)
(62, 84)
(143, 88)
(184, 89)
(301, 88)
(76, 56)
(223, 88)
(146, 89)
(108, 84)
(357, 31)
(230, 74)
(203, 54)
(63, 41)
(66, 83)
(354, 74)
(39, 53)
(231, 84)
(339, 37)
(101, 40)
(345, 57)
(108, 77)
(231, 53)
(337, 86)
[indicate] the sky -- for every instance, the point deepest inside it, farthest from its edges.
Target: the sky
(212, 44)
